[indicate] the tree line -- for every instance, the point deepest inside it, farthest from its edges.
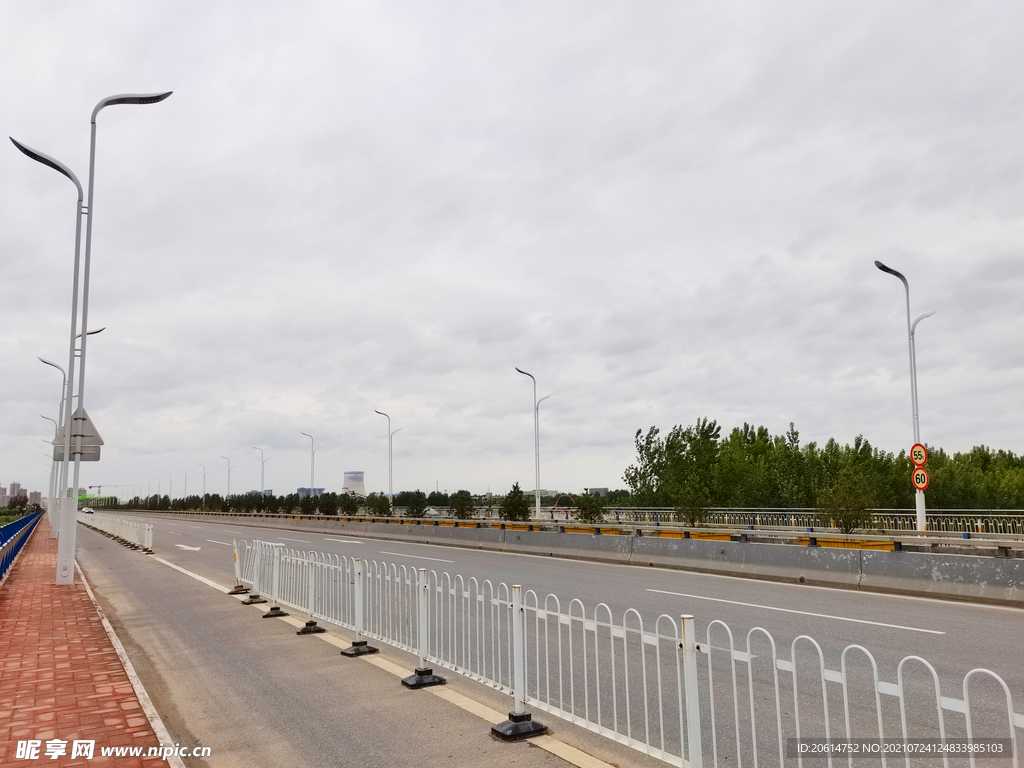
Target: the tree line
(695, 467)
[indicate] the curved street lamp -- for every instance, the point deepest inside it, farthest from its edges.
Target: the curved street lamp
(391, 435)
(68, 509)
(536, 438)
(922, 523)
(263, 464)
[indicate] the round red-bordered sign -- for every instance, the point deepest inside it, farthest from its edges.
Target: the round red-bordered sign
(919, 477)
(919, 455)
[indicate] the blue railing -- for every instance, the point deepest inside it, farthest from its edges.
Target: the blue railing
(12, 538)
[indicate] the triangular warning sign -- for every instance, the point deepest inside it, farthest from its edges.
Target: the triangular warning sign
(81, 425)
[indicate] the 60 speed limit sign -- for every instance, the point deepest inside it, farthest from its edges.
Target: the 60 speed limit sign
(919, 477)
(919, 455)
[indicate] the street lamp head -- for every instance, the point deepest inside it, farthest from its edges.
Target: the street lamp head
(54, 365)
(41, 157)
(380, 412)
(130, 98)
(90, 333)
(524, 372)
(891, 271)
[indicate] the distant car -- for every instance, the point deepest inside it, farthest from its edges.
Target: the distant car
(87, 510)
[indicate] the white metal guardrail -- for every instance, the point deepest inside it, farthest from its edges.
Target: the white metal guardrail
(655, 687)
(139, 535)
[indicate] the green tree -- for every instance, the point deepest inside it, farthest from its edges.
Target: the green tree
(461, 505)
(590, 507)
(415, 503)
(377, 505)
(515, 506)
(327, 504)
(348, 504)
(845, 505)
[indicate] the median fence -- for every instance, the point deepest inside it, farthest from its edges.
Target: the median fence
(12, 538)
(128, 532)
(663, 687)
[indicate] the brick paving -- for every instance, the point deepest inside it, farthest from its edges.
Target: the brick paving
(60, 677)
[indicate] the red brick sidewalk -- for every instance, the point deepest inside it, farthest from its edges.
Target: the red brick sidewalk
(60, 677)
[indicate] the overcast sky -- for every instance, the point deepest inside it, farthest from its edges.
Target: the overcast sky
(663, 210)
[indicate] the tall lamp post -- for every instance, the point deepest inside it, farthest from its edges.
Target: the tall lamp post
(69, 508)
(184, 493)
(170, 487)
(58, 479)
(53, 475)
(312, 461)
(263, 464)
(922, 523)
(536, 438)
(68, 522)
(205, 473)
(391, 435)
(228, 495)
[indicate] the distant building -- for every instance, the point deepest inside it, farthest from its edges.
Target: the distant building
(35, 497)
(354, 484)
(597, 491)
(305, 492)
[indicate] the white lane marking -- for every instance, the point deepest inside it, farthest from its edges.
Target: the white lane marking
(344, 541)
(226, 544)
(417, 557)
(301, 541)
(191, 549)
(802, 613)
(200, 527)
(195, 576)
(172, 523)
(174, 534)
(227, 531)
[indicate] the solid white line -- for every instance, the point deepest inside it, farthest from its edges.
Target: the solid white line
(417, 557)
(345, 541)
(227, 531)
(174, 534)
(226, 544)
(200, 527)
(301, 541)
(195, 576)
(159, 729)
(802, 613)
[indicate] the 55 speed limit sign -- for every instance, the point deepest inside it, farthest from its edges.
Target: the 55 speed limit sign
(919, 455)
(919, 477)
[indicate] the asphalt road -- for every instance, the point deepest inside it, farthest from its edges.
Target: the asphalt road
(954, 636)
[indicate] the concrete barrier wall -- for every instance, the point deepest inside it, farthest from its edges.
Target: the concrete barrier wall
(974, 577)
(966, 577)
(778, 562)
(587, 546)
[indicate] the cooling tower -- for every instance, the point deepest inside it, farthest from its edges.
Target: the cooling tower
(354, 483)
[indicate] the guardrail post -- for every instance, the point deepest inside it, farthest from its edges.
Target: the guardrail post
(424, 676)
(311, 627)
(149, 539)
(275, 610)
(359, 646)
(254, 596)
(690, 649)
(520, 723)
(239, 588)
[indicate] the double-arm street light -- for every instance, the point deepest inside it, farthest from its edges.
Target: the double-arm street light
(68, 522)
(312, 462)
(263, 464)
(228, 495)
(911, 345)
(536, 437)
(391, 435)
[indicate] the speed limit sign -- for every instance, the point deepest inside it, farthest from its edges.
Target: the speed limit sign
(919, 477)
(919, 455)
